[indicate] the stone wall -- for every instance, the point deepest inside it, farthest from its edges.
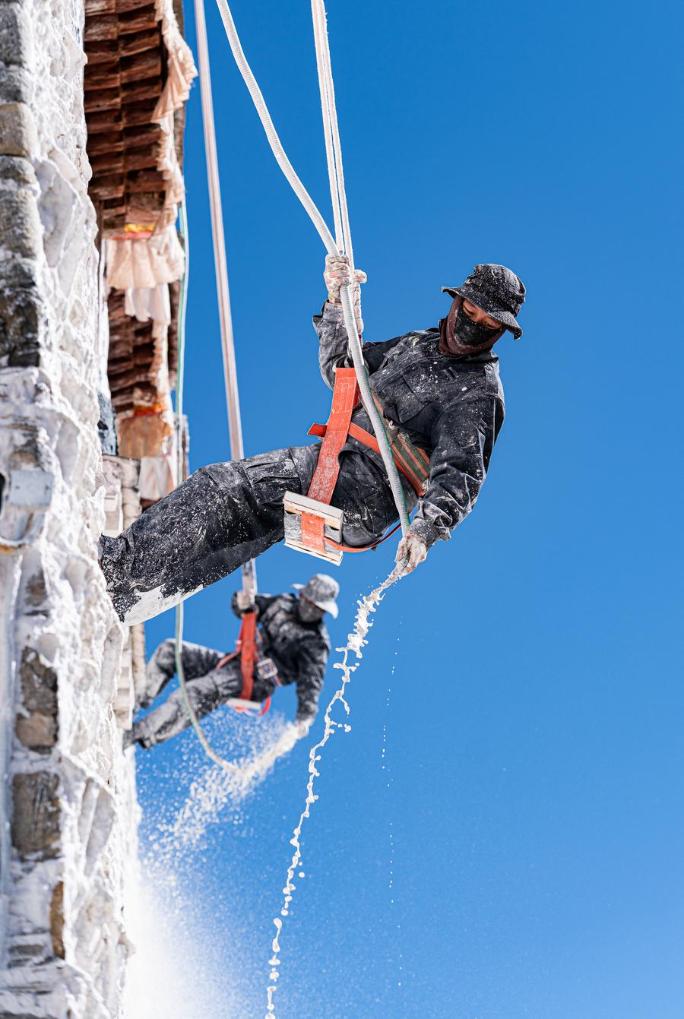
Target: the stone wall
(67, 808)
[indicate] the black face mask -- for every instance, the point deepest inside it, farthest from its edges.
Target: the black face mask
(308, 612)
(473, 334)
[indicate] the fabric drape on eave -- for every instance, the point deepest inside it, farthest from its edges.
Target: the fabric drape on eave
(137, 80)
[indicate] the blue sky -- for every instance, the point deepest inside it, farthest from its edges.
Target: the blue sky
(501, 835)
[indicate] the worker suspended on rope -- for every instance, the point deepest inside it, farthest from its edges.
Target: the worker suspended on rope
(440, 393)
(292, 647)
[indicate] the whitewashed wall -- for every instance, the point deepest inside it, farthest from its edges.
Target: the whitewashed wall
(67, 802)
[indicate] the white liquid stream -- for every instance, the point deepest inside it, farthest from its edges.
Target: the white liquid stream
(356, 640)
(218, 785)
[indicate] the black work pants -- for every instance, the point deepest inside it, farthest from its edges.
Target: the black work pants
(208, 687)
(226, 514)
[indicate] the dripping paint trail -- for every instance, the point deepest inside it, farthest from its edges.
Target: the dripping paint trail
(396, 962)
(356, 640)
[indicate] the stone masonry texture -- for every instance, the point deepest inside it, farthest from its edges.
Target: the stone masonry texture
(67, 807)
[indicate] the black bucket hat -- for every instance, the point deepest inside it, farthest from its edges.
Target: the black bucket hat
(496, 290)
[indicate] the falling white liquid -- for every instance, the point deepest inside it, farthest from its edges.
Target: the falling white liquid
(356, 640)
(215, 793)
(217, 786)
(398, 961)
(179, 969)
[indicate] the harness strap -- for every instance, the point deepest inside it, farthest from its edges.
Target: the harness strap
(246, 645)
(413, 462)
(345, 398)
(246, 648)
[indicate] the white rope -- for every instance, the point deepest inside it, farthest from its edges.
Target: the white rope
(249, 581)
(327, 134)
(333, 146)
(331, 130)
(180, 387)
(269, 127)
(327, 238)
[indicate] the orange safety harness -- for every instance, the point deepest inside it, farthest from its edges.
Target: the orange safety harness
(413, 462)
(246, 648)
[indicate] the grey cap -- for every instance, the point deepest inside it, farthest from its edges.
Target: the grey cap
(322, 590)
(496, 290)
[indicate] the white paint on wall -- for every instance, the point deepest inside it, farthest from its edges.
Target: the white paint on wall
(62, 899)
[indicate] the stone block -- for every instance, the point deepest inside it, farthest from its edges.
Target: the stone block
(35, 823)
(35, 595)
(15, 84)
(14, 35)
(38, 683)
(14, 170)
(37, 732)
(20, 232)
(21, 310)
(17, 130)
(21, 315)
(20, 954)
(18, 273)
(57, 920)
(106, 428)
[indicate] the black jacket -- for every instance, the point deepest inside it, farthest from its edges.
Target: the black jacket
(452, 407)
(299, 650)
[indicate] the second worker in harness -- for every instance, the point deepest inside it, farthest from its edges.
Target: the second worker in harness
(293, 647)
(440, 392)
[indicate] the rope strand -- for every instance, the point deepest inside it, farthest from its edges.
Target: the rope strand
(180, 386)
(331, 126)
(327, 134)
(249, 580)
(329, 243)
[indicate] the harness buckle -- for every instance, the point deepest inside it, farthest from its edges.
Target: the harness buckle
(310, 525)
(240, 704)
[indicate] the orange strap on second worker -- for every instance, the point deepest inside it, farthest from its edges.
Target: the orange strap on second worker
(246, 648)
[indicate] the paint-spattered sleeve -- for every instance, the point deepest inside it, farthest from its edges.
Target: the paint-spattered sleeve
(262, 602)
(332, 336)
(312, 658)
(463, 436)
(333, 346)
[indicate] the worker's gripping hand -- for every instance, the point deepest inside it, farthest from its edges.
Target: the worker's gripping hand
(338, 274)
(242, 602)
(411, 552)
